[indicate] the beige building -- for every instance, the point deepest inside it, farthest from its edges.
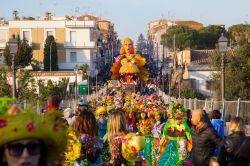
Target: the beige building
(4, 34)
(158, 27)
(76, 40)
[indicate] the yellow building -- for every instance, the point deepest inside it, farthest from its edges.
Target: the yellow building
(76, 40)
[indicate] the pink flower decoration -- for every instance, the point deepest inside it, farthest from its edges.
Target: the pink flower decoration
(3, 123)
(56, 127)
(30, 126)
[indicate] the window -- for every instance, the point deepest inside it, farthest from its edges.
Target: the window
(49, 33)
(72, 36)
(26, 35)
(73, 57)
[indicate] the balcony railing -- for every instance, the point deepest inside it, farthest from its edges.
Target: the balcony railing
(85, 24)
(80, 44)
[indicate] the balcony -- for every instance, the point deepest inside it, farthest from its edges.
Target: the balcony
(80, 44)
(83, 24)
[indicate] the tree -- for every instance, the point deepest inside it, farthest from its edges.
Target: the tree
(50, 49)
(237, 73)
(26, 86)
(141, 44)
(183, 37)
(238, 33)
(15, 15)
(23, 56)
(84, 69)
(52, 88)
(5, 88)
(209, 35)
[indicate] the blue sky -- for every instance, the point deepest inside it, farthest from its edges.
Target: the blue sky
(131, 17)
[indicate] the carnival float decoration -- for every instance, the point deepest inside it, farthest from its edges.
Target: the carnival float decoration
(129, 67)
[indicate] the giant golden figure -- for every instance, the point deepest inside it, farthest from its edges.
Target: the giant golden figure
(129, 67)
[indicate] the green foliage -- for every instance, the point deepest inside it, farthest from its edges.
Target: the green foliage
(237, 73)
(185, 37)
(84, 69)
(5, 104)
(7, 56)
(26, 86)
(239, 32)
(209, 35)
(51, 88)
(23, 56)
(50, 44)
(36, 65)
(187, 92)
(5, 88)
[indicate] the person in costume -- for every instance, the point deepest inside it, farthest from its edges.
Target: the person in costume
(129, 67)
(157, 133)
(88, 134)
(144, 127)
(28, 138)
(176, 142)
(101, 114)
(131, 121)
(115, 136)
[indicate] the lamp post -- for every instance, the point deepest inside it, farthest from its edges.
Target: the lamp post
(96, 74)
(76, 72)
(222, 48)
(88, 73)
(50, 55)
(13, 46)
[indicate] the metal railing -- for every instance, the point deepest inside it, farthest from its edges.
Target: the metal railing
(238, 108)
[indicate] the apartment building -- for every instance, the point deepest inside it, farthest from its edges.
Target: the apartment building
(76, 40)
(4, 33)
(157, 28)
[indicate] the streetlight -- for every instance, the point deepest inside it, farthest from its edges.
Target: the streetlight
(50, 55)
(88, 73)
(96, 74)
(222, 49)
(13, 46)
(76, 72)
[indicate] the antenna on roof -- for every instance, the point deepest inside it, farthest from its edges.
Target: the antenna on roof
(54, 8)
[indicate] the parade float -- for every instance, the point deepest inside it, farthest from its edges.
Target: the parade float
(128, 67)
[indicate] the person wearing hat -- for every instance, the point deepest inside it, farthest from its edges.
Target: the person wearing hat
(176, 142)
(144, 127)
(83, 106)
(101, 114)
(30, 139)
(157, 132)
(69, 117)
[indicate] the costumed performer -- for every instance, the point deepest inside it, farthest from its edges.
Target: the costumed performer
(176, 142)
(129, 67)
(28, 138)
(144, 127)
